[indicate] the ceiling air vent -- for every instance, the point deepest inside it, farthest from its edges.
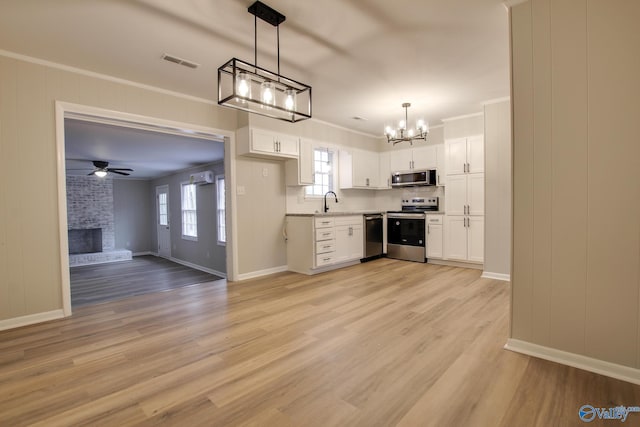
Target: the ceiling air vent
(179, 61)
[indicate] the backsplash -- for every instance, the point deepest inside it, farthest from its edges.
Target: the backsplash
(359, 200)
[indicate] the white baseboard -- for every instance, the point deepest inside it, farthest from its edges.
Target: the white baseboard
(198, 267)
(454, 263)
(259, 273)
(597, 366)
(30, 319)
(496, 276)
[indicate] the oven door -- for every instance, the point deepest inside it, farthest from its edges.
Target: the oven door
(406, 229)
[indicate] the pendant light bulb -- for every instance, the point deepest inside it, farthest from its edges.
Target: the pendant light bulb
(402, 125)
(290, 100)
(268, 93)
(244, 86)
(100, 173)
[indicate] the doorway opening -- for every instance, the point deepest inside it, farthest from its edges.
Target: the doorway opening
(136, 204)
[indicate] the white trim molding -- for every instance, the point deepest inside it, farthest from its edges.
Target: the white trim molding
(198, 267)
(508, 4)
(497, 100)
(466, 116)
(83, 72)
(31, 319)
(590, 364)
(496, 276)
(460, 264)
(260, 273)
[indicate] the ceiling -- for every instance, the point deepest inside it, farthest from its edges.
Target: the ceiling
(363, 58)
(149, 153)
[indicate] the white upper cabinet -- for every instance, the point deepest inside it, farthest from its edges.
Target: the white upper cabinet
(456, 156)
(456, 195)
(475, 194)
(401, 160)
(440, 165)
(359, 169)
(415, 158)
(424, 157)
(300, 171)
(464, 155)
(385, 170)
(475, 154)
(262, 143)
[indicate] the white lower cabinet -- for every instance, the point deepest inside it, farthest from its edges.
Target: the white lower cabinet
(434, 236)
(475, 238)
(349, 240)
(464, 238)
(316, 243)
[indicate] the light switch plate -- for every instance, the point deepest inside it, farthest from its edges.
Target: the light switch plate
(240, 191)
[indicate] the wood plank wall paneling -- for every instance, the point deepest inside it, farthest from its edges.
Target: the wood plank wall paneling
(569, 174)
(522, 274)
(542, 165)
(613, 48)
(576, 265)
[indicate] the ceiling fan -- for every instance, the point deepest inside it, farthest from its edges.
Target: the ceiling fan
(103, 167)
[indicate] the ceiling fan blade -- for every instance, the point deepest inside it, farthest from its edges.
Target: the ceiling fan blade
(89, 174)
(118, 172)
(119, 169)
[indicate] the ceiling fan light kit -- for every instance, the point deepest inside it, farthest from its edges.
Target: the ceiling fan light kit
(248, 87)
(102, 168)
(402, 134)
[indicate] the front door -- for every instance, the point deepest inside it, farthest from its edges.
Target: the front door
(162, 221)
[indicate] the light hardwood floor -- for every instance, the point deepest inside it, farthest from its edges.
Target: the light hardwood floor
(379, 344)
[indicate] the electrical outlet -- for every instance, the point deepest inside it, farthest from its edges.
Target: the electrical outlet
(240, 191)
(265, 172)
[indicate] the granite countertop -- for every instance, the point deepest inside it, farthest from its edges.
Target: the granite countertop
(336, 213)
(345, 213)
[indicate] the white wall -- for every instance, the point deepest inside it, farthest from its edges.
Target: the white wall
(576, 192)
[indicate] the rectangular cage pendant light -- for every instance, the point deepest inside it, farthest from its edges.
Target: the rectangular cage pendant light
(254, 89)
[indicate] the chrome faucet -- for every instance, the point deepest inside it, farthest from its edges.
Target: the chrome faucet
(326, 208)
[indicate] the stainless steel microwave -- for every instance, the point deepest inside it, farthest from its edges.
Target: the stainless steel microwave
(413, 179)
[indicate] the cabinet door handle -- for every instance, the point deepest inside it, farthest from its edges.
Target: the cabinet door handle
(428, 229)
(350, 231)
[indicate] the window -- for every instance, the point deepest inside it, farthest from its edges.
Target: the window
(222, 230)
(163, 215)
(189, 212)
(322, 172)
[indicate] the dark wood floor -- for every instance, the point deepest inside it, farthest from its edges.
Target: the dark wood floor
(93, 284)
(384, 343)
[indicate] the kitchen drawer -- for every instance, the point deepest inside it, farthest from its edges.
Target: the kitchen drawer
(325, 234)
(349, 220)
(325, 246)
(324, 259)
(324, 222)
(434, 219)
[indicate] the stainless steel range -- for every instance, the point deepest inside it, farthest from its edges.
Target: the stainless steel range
(406, 237)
